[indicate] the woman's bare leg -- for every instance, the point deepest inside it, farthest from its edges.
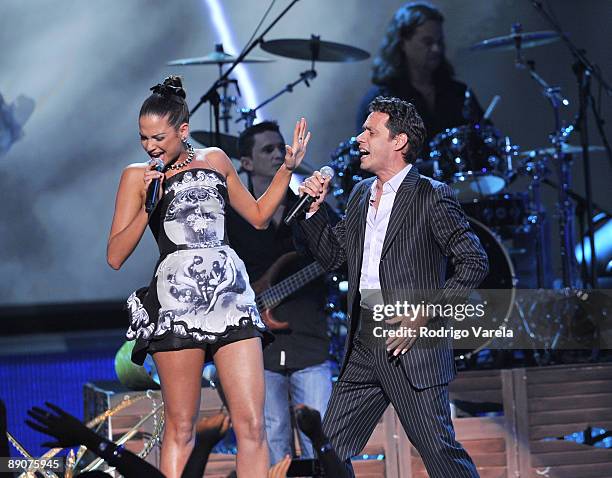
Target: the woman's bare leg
(180, 373)
(240, 369)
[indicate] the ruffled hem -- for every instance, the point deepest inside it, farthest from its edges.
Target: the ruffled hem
(144, 346)
(197, 335)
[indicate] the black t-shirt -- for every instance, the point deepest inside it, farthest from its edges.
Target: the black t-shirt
(447, 113)
(306, 342)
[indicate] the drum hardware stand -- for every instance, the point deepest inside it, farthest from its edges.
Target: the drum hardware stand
(248, 115)
(533, 337)
(584, 70)
(228, 102)
(469, 114)
(510, 151)
(537, 171)
(212, 96)
(556, 99)
(580, 209)
(224, 100)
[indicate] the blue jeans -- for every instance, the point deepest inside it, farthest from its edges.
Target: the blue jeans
(310, 386)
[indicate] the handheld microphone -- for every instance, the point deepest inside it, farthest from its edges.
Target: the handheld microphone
(306, 200)
(153, 190)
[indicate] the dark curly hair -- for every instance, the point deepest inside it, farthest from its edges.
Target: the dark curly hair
(390, 63)
(246, 140)
(403, 118)
(167, 99)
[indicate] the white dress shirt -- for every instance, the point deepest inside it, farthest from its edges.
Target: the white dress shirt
(376, 229)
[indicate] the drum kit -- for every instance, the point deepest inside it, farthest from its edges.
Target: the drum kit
(482, 165)
(479, 162)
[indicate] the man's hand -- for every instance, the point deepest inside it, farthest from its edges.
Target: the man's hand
(316, 186)
(406, 323)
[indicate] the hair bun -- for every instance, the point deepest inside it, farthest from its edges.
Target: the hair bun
(172, 86)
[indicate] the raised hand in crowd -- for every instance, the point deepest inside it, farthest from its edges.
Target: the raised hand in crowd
(309, 421)
(209, 431)
(280, 469)
(68, 431)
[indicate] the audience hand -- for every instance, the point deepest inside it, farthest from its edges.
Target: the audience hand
(69, 432)
(309, 421)
(210, 430)
(280, 469)
(66, 429)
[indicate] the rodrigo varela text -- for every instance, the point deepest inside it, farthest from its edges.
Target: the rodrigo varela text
(458, 312)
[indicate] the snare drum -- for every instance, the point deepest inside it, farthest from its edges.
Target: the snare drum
(475, 159)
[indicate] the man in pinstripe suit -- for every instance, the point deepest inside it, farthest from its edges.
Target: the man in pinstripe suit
(399, 231)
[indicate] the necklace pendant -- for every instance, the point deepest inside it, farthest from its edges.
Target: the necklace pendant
(190, 155)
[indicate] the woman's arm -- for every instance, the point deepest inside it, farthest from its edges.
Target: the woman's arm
(130, 218)
(259, 212)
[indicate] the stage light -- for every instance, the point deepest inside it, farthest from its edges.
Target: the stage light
(222, 28)
(603, 242)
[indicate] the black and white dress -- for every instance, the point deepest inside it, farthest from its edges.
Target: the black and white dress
(200, 293)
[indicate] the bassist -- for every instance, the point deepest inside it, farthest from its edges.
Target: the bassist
(296, 367)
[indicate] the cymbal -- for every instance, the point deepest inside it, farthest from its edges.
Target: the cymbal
(227, 142)
(302, 49)
(567, 149)
(216, 58)
(508, 42)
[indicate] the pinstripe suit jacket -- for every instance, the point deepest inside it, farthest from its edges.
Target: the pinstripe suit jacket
(426, 227)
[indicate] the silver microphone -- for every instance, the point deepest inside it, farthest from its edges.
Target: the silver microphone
(306, 200)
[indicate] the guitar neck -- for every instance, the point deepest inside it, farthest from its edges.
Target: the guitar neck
(273, 296)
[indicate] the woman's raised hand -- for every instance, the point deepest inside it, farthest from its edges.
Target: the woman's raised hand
(295, 153)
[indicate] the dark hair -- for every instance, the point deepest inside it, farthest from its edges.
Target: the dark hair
(167, 99)
(390, 63)
(403, 118)
(246, 140)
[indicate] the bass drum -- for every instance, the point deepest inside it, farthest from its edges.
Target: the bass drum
(497, 292)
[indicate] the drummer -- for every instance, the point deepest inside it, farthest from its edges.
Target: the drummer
(411, 65)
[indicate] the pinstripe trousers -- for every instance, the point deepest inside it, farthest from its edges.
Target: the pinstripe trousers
(370, 381)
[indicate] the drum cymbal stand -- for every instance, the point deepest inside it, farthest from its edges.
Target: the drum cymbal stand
(584, 70)
(561, 160)
(248, 115)
(224, 100)
(227, 102)
(212, 96)
(536, 169)
(525, 310)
